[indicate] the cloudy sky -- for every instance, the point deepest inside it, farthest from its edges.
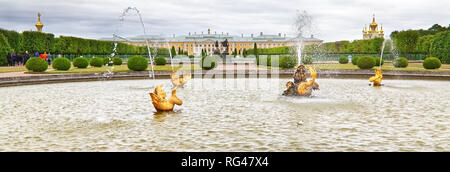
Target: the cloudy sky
(333, 19)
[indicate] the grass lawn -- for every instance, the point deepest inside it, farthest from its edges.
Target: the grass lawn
(12, 69)
(386, 66)
(121, 68)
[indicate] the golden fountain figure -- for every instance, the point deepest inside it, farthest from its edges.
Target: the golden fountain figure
(300, 86)
(159, 99)
(178, 81)
(377, 78)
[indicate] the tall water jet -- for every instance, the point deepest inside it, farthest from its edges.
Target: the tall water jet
(303, 22)
(171, 57)
(122, 18)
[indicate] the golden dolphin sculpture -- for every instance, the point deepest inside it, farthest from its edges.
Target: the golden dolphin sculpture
(179, 82)
(305, 88)
(377, 78)
(159, 99)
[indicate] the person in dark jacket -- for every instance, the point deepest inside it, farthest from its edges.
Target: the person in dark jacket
(26, 56)
(19, 59)
(36, 54)
(9, 59)
(14, 59)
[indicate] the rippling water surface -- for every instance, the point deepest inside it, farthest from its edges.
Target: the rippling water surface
(227, 115)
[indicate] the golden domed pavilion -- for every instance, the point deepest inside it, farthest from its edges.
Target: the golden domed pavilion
(373, 31)
(39, 25)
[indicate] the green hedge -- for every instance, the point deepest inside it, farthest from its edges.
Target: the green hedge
(160, 60)
(14, 39)
(208, 63)
(36, 64)
(61, 64)
(4, 50)
(307, 60)
(108, 61)
(117, 61)
(137, 63)
(441, 47)
(355, 60)
(287, 62)
(366, 62)
(432, 63)
(264, 60)
(343, 60)
(401, 62)
(37, 41)
(377, 61)
(96, 62)
(80, 62)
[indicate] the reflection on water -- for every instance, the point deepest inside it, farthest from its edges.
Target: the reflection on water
(227, 115)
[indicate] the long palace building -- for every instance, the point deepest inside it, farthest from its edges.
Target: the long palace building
(194, 43)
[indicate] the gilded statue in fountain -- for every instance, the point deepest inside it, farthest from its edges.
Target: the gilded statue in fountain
(159, 99)
(301, 86)
(377, 78)
(178, 81)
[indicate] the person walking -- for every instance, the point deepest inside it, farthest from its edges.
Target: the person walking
(14, 59)
(26, 56)
(36, 54)
(49, 59)
(9, 59)
(19, 59)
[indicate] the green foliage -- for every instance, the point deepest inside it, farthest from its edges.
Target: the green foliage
(14, 39)
(235, 52)
(366, 62)
(264, 60)
(191, 56)
(160, 60)
(369, 46)
(343, 60)
(307, 60)
(268, 51)
(108, 61)
(36, 64)
(406, 41)
(255, 50)
(424, 44)
(80, 62)
(4, 50)
(61, 64)
(432, 63)
(96, 62)
(173, 51)
(137, 63)
(441, 47)
(287, 62)
(355, 60)
(401, 62)
(208, 63)
(37, 41)
(117, 61)
(377, 61)
(203, 53)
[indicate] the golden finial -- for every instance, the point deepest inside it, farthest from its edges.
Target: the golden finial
(39, 25)
(382, 28)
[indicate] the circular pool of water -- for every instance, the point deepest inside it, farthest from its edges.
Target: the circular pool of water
(243, 114)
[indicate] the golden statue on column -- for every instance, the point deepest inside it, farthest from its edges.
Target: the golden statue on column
(39, 25)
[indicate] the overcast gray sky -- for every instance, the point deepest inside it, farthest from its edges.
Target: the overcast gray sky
(333, 19)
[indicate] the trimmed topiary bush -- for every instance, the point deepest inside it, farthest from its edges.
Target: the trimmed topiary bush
(208, 63)
(108, 61)
(366, 62)
(80, 62)
(264, 60)
(96, 62)
(117, 61)
(432, 63)
(61, 64)
(401, 62)
(377, 61)
(287, 62)
(36, 64)
(160, 60)
(343, 60)
(191, 56)
(137, 63)
(307, 60)
(355, 60)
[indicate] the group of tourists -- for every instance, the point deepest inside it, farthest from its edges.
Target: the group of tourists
(15, 59)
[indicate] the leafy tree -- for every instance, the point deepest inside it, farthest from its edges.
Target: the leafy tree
(406, 41)
(441, 47)
(172, 51)
(4, 50)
